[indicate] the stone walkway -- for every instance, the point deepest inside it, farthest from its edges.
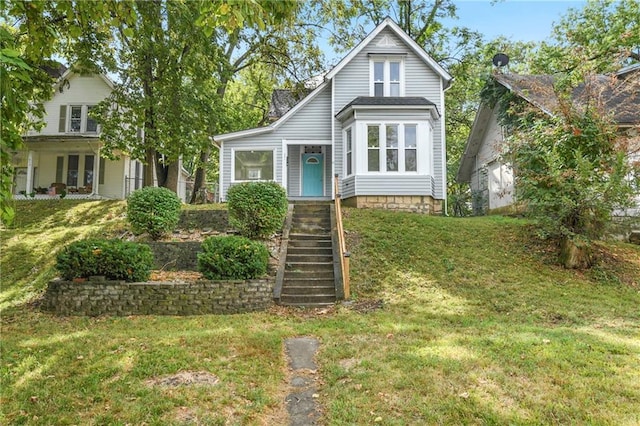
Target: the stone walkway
(302, 401)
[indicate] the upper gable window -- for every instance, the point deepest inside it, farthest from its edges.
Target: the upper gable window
(76, 119)
(387, 76)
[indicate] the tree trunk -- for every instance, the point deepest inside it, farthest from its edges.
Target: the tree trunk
(172, 176)
(150, 160)
(199, 178)
(575, 256)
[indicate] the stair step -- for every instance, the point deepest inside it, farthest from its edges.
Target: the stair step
(307, 300)
(302, 275)
(318, 251)
(309, 266)
(297, 258)
(309, 281)
(308, 291)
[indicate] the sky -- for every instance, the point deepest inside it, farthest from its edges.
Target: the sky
(518, 20)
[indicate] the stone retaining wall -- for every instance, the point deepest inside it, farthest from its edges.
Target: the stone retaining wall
(216, 220)
(119, 298)
(407, 203)
(175, 256)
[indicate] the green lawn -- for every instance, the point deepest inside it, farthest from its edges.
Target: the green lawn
(477, 326)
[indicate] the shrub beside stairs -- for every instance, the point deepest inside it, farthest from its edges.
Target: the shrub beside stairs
(307, 274)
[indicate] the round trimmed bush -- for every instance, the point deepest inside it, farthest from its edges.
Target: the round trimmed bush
(153, 210)
(232, 258)
(257, 209)
(114, 259)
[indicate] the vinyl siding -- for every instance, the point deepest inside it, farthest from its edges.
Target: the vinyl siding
(419, 80)
(312, 122)
(82, 90)
(293, 185)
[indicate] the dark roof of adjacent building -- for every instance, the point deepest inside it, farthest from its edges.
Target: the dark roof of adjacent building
(282, 100)
(618, 93)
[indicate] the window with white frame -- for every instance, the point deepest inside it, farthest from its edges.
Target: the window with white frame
(386, 77)
(76, 119)
(410, 148)
(373, 148)
(392, 147)
(349, 151)
(253, 165)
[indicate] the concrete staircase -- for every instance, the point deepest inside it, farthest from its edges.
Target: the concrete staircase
(308, 278)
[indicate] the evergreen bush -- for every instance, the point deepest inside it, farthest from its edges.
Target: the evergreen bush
(232, 258)
(113, 259)
(257, 209)
(153, 210)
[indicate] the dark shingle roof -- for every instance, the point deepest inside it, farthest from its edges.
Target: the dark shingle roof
(407, 101)
(621, 96)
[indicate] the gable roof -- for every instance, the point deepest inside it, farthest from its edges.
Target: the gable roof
(415, 47)
(69, 72)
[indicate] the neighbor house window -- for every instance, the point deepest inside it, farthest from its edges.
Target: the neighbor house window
(349, 150)
(88, 170)
(75, 119)
(373, 148)
(72, 170)
(75, 123)
(253, 165)
(92, 124)
(386, 77)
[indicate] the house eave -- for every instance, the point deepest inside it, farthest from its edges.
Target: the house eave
(474, 141)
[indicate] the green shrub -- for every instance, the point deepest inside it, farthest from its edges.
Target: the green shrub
(232, 258)
(115, 259)
(257, 209)
(153, 210)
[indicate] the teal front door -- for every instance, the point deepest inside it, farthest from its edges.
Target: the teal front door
(312, 173)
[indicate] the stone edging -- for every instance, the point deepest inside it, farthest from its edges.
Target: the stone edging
(119, 298)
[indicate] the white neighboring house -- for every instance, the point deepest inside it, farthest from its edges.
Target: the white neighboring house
(65, 153)
(376, 121)
(492, 180)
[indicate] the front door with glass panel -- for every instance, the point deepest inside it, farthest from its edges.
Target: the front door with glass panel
(312, 174)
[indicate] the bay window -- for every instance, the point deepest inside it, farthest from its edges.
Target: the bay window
(394, 147)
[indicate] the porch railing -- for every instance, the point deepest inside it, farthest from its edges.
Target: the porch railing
(344, 254)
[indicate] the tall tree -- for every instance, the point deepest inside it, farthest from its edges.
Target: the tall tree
(279, 42)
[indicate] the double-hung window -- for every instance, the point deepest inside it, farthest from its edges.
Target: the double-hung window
(349, 151)
(373, 148)
(392, 147)
(76, 119)
(386, 77)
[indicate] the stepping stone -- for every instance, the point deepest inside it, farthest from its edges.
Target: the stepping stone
(302, 401)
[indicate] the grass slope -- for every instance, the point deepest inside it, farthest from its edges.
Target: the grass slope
(477, 327)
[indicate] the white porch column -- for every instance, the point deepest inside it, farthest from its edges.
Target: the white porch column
(29, 186)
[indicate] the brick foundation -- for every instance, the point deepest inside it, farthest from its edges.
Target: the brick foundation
(408, 203)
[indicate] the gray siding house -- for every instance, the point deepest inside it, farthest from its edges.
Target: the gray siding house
(376, 122)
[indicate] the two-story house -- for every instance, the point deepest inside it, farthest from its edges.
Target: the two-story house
(65, 154)
(376, 122)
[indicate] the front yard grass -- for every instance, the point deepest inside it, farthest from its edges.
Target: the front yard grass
(477, 326)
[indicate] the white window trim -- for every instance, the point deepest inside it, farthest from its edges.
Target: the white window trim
(387, 74)
(233, 164)
(424, 148)
(84, 117)
(353, 150)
